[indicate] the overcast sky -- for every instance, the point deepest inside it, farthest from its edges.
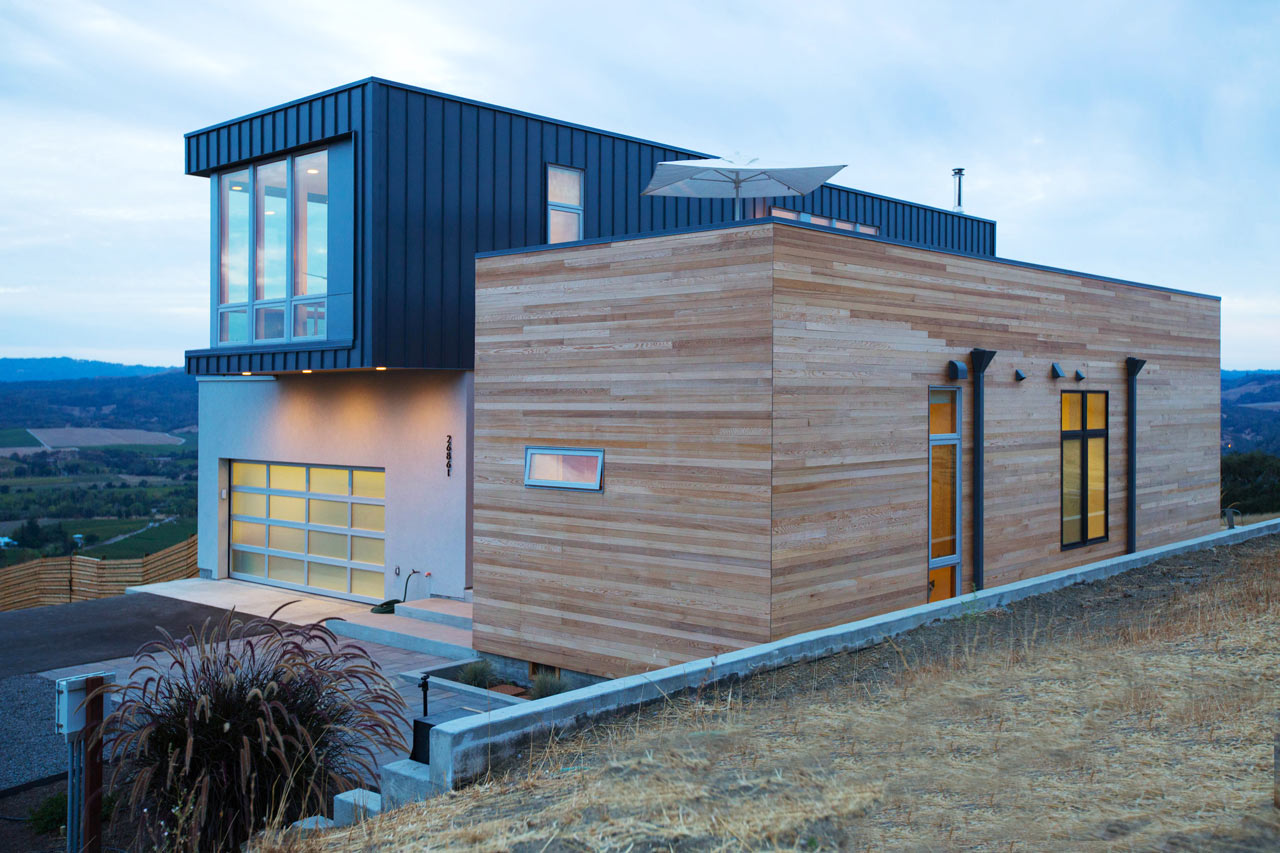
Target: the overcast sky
(1140, 141)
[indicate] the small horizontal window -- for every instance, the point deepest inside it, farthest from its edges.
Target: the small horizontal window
(829, 222)
(563, 468)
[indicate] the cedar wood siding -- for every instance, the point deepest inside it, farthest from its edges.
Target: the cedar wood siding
(761, 395)
(657, 350)
(863, 328)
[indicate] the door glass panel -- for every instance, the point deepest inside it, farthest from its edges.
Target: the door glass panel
(368, 516)
(248, 533)
(942, 412)
(289, 478)
(1097, 488)
(1097, 416)
(1071, 498)
(248, 503)
(942, 527)
(369, 484)
(366, 550)
(288, 509)
(327, 544)
(286, 569)
(327, 576)
(1071, 410)
(249, 474)
(329, 481)
(288, 539)
(369, 584)
(248, 563)
(329, 513)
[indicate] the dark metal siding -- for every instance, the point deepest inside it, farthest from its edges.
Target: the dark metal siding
(439, 179)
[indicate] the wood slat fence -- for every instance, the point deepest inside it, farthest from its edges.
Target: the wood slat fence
(58, 580)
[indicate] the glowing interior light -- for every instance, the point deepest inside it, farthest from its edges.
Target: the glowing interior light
(313, 171)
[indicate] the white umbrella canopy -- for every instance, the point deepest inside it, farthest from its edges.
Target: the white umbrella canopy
(720, 178)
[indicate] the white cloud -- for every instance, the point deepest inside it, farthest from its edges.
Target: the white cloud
(1120, 139)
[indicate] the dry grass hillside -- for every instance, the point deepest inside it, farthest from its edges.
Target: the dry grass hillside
(1135, 714)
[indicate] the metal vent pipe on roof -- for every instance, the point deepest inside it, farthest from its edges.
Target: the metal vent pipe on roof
(958, 175)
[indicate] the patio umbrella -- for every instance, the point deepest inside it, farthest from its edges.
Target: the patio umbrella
(720, 178)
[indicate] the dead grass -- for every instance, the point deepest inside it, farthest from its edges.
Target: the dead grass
(1136, 714)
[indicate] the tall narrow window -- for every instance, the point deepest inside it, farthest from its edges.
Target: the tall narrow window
(1084, 467)
(944, 493)
(564, 204)
(273, 249)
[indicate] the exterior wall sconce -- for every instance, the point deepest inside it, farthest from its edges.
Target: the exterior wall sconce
(957, 370)
(1079, 375)
(1056, 371)
(1019, 375)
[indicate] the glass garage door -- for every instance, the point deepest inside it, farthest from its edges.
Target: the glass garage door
(310, 527)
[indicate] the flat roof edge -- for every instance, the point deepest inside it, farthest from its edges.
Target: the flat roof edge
(775, 220)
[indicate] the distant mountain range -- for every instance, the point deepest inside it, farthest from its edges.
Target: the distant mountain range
(52, 369)
(1251, 411)
(55, 392)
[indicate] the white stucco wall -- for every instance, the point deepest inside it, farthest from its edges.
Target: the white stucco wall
(396, 420)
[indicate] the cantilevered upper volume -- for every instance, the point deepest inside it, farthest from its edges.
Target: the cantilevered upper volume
(345, 224)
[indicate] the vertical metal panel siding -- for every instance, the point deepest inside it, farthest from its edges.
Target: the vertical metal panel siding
(438, 180)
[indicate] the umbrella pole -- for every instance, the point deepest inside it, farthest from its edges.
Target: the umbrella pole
(737, 201)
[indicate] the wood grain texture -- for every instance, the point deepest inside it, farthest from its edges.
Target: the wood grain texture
(658, 351)
(58, 580)
(761, 395)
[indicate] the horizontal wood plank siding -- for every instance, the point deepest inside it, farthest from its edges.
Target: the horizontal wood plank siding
(658, 352)
(58, 580)
(862, 329)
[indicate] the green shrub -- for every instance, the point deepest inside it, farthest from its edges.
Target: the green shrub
(545, 684)
(50, 815)
(478, 674)
(245, 726)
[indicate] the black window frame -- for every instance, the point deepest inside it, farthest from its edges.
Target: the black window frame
(1083, 435)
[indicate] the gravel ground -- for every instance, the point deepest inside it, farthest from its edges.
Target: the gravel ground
(29, 749)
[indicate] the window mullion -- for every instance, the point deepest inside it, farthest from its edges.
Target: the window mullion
(250, 315)
(288, 249)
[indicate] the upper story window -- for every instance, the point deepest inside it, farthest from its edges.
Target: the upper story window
(564, 204)
(273, 251)
(1084, 467)
(843, 225)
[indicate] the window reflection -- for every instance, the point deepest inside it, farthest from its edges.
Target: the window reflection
(234, 238)
(311, 224)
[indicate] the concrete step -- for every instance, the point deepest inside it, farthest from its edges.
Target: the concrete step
(445, 611)
(403, 632)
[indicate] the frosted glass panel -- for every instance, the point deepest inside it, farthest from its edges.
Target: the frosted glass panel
(248, 563)
(286, 569)
(1097, 415)
(326, 576)
(247, 503)
(370, 584)
(942, 412)
(1071, 497)
(564, 186)
(1071, 416)
(329, 513)
(1097, 488)
(249, 474)
(563, 226)
(942, 507)
(367, 550)
(288, 509)
(329, 481)
(327, 544)
(290, 478)
(369, 484)
(248, 533)
(368, 516)
(288, 539)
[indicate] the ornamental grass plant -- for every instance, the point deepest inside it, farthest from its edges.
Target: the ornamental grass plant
(244, 726)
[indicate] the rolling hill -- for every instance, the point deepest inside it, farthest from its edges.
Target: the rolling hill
(54, 369)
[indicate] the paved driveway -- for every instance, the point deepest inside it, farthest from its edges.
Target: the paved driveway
(41, 638)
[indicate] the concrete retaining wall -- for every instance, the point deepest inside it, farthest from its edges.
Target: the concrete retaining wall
(467, 747)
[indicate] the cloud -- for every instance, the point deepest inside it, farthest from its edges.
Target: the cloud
(1119, 139)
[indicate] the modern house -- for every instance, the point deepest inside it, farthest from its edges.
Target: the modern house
(456, 338)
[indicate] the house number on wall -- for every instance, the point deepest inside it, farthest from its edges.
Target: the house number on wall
(448, 456)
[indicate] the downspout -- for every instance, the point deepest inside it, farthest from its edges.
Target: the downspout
(1133, 366)
(980, 358)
